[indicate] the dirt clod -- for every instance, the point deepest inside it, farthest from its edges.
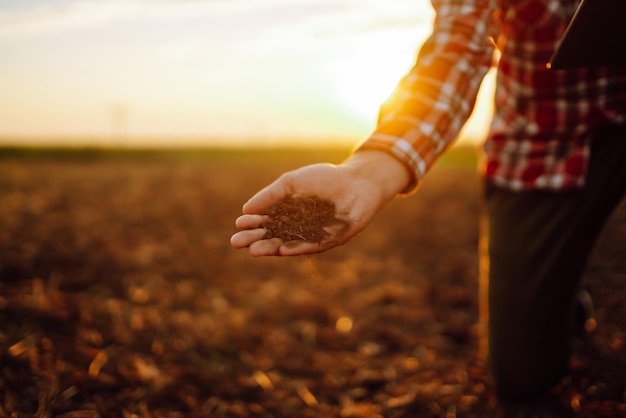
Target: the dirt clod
(301, 219)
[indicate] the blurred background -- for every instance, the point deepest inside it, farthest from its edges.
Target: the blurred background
(119, 292)
(204, 72)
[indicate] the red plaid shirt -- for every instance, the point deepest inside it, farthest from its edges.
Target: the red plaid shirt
(540, 134)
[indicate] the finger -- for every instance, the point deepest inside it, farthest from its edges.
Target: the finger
(292, 248)
(265, 247)
(249, 221)
(246, 238)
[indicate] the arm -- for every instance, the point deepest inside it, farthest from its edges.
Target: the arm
(423, 117)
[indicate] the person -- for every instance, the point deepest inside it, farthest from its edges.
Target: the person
(552, 168)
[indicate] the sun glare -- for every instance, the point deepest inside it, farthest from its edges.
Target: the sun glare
(362, 85)
(364, 78)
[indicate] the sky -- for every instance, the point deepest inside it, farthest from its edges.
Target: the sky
(200, 72)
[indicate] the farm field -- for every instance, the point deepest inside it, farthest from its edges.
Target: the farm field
(120, 296)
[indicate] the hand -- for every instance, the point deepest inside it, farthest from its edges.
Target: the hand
(359, 188)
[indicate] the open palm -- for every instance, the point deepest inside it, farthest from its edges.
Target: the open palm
(356, 201)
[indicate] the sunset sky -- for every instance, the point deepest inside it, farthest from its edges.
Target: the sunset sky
(164, 72)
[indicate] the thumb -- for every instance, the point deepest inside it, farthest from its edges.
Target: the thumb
(265, 198)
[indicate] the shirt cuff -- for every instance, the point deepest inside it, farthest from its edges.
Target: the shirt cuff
(403, 151)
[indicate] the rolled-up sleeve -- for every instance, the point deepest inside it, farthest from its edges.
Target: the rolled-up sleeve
(434, 100)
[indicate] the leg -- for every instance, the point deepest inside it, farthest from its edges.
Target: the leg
(538, 244)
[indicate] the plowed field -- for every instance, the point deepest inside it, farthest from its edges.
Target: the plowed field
(121, 297)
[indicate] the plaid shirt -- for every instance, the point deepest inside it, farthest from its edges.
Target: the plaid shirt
(540, 134)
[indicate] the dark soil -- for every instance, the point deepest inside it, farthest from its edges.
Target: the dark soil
(120, 296)
(301, 219)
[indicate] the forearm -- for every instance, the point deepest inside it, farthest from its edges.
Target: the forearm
(382, 169)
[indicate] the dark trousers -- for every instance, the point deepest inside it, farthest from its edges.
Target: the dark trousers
(538, 243)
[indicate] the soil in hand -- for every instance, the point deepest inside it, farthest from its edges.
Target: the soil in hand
(301, 219)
